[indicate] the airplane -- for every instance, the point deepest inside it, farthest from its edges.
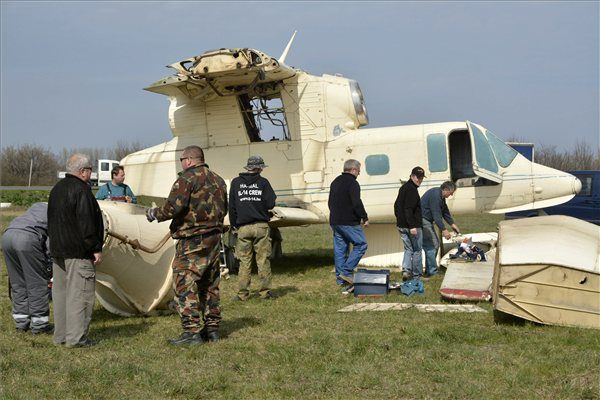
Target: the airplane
(240, 102)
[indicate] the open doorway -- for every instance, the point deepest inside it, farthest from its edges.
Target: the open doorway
(461, 161)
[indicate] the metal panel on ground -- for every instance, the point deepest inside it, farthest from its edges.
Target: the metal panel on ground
(468, 281)
(548, 271)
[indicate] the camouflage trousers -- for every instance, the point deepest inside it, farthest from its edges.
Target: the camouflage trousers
(253, 239)
(196, 277)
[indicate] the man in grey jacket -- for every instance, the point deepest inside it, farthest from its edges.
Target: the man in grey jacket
(25, 247)
(435, 211)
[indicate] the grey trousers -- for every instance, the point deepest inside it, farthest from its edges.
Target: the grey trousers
(73, 295)
(27, 266)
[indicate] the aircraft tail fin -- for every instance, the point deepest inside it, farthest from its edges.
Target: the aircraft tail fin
(287, 49)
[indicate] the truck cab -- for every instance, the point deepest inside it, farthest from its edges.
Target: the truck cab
(101, 175)
(104, 168)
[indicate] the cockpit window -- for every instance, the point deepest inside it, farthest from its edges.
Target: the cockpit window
(483, 152)
(264, 118)
(503, 152)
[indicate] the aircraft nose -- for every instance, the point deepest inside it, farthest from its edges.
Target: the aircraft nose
(576, 185)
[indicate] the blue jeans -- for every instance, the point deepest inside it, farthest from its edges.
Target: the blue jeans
(431, 244)
(413, 246)
(345, 261)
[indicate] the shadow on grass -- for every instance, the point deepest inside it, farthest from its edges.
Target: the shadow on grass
(297, 263)
(121, 331)
(103, 315)
(105, 324)
(229, 326)
(502, 318)
(283, 290)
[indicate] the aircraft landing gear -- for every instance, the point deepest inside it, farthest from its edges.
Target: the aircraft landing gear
(232, 264)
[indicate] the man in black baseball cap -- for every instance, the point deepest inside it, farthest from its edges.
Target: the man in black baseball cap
(418, 172)
(407, 209)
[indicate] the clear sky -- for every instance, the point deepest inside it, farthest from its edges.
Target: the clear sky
(73, 72)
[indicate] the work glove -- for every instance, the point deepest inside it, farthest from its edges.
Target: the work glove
(151, 214)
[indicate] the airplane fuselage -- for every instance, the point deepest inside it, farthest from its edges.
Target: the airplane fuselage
(387, 156)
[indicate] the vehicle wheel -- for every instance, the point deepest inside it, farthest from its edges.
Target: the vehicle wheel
(233, 264)
(276, 240)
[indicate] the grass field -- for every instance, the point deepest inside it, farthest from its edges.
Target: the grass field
(298, 346)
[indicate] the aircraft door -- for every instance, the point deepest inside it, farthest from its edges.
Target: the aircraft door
(484, 162)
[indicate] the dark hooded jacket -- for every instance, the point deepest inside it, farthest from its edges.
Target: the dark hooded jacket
(75, 225)
(250, 199)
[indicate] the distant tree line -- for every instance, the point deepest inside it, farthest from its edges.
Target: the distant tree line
(581, 157)
(15, 161)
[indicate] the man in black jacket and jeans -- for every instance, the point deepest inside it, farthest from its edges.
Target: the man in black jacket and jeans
(346, 214)
(76, 233)
(250, 199)
(407, 209)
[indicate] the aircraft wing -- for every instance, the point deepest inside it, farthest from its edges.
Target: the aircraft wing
(290, 216)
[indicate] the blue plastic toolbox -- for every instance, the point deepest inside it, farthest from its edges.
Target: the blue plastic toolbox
(369, 282)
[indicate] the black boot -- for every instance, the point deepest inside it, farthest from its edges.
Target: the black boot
(45, 330)
(187, 338)
(209, 336)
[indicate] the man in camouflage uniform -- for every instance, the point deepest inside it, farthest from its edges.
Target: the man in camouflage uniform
(197, 206)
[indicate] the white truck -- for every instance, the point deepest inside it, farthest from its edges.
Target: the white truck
(102, 174)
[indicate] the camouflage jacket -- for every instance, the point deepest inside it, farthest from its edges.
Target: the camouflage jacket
(197, 203)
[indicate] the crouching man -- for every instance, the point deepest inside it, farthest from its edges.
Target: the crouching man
(29, 268)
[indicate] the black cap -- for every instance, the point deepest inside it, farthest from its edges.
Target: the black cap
(418, 172)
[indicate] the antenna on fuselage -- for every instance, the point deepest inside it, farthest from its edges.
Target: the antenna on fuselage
(287, 49)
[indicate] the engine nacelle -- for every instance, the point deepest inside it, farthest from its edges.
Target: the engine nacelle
(135, 274)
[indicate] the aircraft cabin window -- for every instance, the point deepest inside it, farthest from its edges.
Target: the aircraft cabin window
(436, 152)
(377, 164)
(104, 166)
(483, 151)
(503, 152)
(264, 117)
